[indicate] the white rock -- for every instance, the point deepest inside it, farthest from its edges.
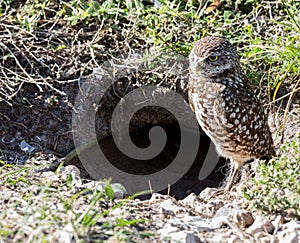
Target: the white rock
(67, 233)
(260, 225)
(169, 208)
(208, 193)
(190, 200)
(291, 225)
(209, 209)
(49, 174)
(290, 232)
(222, 215)
(117, 212)
(51, 178)
(289, 235)
(219, 238)
(167, 230)
(95, 185)
(119, 190)
(180, 236)
(263, 237)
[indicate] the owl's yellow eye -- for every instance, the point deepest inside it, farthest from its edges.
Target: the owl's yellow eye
(213, 58)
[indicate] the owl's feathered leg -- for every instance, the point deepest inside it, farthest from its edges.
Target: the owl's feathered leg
(235, 167)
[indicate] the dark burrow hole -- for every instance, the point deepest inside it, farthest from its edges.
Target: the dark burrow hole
(189, 181)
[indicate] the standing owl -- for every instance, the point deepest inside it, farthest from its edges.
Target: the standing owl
(225, 105)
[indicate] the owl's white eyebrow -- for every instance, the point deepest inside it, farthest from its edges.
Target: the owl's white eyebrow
(201, 59)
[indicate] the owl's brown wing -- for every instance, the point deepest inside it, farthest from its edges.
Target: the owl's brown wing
(244, 126)
(220, 114)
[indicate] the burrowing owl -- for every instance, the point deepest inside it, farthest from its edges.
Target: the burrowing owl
(225, 105)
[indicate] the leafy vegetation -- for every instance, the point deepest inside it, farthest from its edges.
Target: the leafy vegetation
(277, 183)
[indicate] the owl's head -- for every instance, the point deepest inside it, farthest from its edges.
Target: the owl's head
(212, 56)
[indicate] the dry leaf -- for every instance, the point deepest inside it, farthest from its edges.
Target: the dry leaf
(213, 6)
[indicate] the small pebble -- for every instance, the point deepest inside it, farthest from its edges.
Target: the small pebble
(243, 218)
